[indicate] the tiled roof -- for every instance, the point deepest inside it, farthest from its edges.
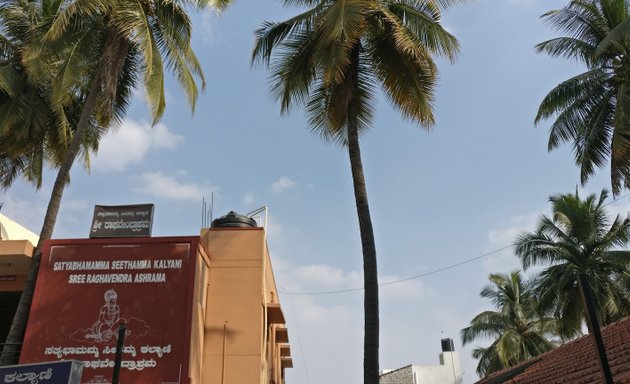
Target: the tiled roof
(575, 362)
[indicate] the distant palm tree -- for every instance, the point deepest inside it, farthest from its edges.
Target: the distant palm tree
(102, 48)
(516, 328)
(579, 239)
(592, 109)
(587, 276)
(330, 59)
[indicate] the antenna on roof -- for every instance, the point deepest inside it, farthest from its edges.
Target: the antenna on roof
(211, 207)
(203, 212)
(206, 212)
(258, 214)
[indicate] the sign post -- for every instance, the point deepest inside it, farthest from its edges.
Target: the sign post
(119, 349)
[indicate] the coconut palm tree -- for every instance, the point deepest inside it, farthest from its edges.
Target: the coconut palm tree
(32, 131)
(579, 238)
(592, 109)
(330, 59)
(516, 327)
(587, 275)
(101, 49)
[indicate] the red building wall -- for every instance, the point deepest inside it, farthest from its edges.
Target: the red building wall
(87, 288)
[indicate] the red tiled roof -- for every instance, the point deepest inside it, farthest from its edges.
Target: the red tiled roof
(575, 362)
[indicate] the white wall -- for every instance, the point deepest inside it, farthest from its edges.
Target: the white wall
(10, 230)
(448, 372)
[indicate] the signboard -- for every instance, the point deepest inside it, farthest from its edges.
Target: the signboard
(87, 288)
(60, 372)
(122, 221)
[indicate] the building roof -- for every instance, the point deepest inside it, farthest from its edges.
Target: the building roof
(10, 230)
(575, 362)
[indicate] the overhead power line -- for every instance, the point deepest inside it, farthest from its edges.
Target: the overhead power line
(399, 280)
(438, 270)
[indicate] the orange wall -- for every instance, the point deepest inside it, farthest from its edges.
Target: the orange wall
(238, 347)
(15, 262)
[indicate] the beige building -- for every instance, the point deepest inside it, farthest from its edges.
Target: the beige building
(238, 332)
(16, 248)
(245, 339)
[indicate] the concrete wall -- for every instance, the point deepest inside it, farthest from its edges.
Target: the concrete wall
(448, 372)
(242, 310)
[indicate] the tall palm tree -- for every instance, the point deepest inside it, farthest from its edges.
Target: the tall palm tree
(592, 109)
(101, 49)
(516, 327)
(330, 59)
(587, 276)
(32, 131)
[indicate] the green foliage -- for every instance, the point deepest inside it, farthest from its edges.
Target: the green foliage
(592, 110)
(388, 42)
(138, 40)
(578, 239)
(516, 328)
(33, 130)
(88, 56)
(52, 50)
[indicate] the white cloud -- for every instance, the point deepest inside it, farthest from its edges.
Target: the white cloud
(402, 289)
(75, 205)
(513, 227)
(315, 277)
(621, 208)
(282, 184)
(163, 186)
(275, 232)
(315, 314)
(29, 214)
(327, 276)
(505, 261)
(130, 143)
(248, 198)
(29, 209)
(208, 18)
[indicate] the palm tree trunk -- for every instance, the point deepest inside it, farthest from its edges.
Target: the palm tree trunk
(370, 271)
(593, 327)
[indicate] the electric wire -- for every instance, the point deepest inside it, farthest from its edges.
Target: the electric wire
(299, 340)
(438, 270)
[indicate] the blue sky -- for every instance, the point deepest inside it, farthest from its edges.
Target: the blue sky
(467, 187)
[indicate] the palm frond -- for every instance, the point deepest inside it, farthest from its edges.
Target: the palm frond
(516, 328)
(423, 23)
(408, 80)
(270, 35)
(614, 39)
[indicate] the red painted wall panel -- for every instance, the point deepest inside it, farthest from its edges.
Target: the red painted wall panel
(86, 288)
